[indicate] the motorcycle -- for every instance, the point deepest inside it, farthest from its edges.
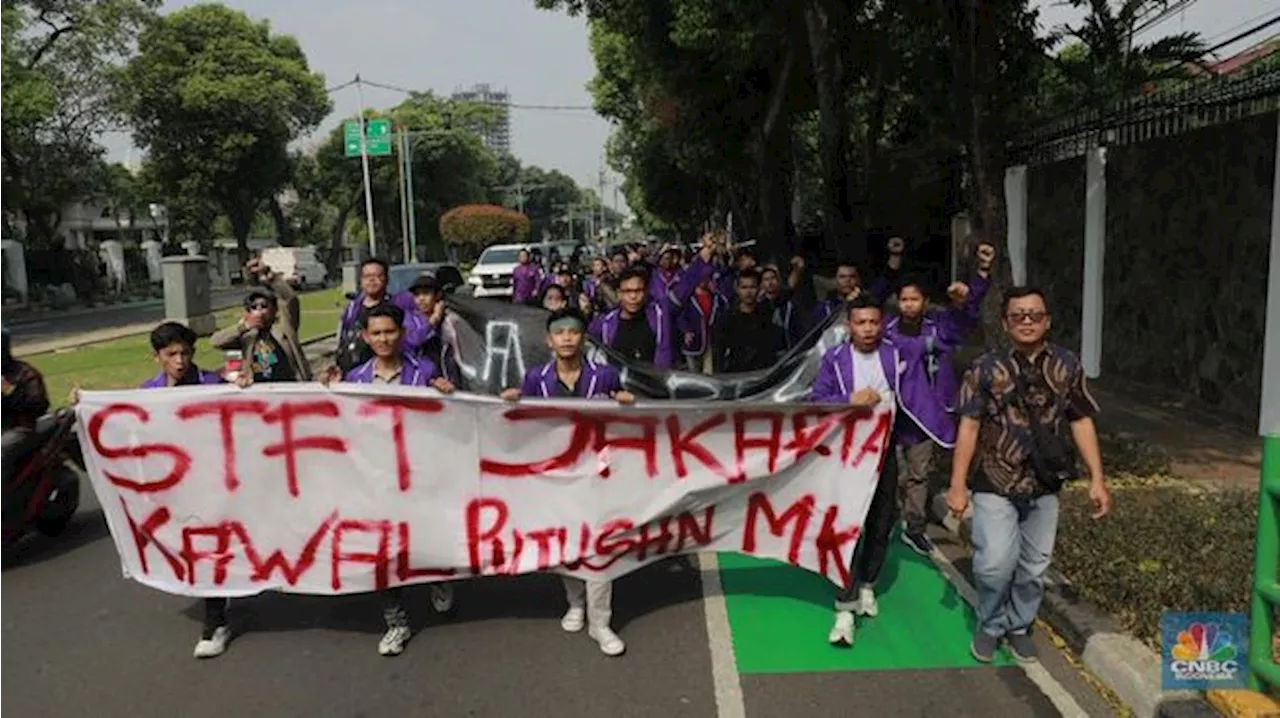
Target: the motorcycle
(44, 492)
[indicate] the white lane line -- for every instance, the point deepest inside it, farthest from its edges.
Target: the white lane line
(1059, 696)
(724, 666)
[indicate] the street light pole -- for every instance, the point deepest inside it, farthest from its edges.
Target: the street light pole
(364, 165)
(408, 173)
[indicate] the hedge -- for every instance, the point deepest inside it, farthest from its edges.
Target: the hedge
(1163, 548)
(479, 225)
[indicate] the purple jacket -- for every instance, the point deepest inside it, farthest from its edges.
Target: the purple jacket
(417, 371)
(597, 380)
(682, 285)
(415, 327)
(604, 328)
(941, 332)
(194, 377)
(525, 280)
(691, 320)
(916, 401)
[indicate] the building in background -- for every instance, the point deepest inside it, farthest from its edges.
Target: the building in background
(498, 136)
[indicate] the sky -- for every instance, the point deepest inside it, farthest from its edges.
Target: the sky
(542, 58)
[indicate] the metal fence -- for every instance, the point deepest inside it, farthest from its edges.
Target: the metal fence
(1195, 104)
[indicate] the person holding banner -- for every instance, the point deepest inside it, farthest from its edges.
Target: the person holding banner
(572, 374)
(865, 372)
(174, 345)
(391, 364)
(927, 419)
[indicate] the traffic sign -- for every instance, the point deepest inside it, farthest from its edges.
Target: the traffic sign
(378, 138)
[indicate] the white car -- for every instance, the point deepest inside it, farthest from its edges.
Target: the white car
(491, 277)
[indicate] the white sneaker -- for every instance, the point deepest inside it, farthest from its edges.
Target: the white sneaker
(442, 597)
(574, 619)
(215, 646)
(609, 642)
(867, 605)
(392, 643)
(842, 632)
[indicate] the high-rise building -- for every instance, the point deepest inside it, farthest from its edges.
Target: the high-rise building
(497, 137)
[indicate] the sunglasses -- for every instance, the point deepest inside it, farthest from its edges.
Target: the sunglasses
(259, 306)
(1026, 317)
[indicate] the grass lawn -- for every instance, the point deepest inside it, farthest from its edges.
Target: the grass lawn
(127, 362)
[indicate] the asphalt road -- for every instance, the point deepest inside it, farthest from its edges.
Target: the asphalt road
(31, 329)
(80, 640)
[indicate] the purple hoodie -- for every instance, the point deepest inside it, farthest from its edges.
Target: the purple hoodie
(691, 320)
(658, 311)
(195, 377)
(597, 380)
(415, 327)
(915, 398)
(941, 332)
(416, 371)
(525, 280)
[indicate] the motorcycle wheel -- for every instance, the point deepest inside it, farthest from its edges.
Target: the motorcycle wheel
(62, 505)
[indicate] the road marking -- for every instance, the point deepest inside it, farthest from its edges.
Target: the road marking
(724, 666)
(1039, 675)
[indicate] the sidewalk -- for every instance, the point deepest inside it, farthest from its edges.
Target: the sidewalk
(1203, 447)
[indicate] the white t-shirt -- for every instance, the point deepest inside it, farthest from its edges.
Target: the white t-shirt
(868, 372)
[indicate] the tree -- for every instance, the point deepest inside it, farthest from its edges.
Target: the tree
(1108, 66)
(475, 226)
(58, 78)
(215, 98)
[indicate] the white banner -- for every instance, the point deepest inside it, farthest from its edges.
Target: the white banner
(215, 491)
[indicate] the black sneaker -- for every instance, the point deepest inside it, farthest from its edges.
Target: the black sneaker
(918, 542)
(983, 647)
(1023, 647)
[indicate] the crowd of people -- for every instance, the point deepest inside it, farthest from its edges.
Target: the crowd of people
(716, 309)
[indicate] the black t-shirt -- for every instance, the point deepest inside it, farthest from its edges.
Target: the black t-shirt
(635, 340)
(269, 364)
(747, 342)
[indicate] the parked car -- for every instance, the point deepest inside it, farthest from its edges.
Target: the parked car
(297, 265)
(491, 276)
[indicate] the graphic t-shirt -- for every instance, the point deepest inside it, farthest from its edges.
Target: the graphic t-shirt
(268, 361)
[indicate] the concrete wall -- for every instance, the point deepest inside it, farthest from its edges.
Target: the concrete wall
(1188, 229)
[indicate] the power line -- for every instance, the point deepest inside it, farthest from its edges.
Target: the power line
(1162, 16)
(1252, 31)
(512, 105)
(1246, 23)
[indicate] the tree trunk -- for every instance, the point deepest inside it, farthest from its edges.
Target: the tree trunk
(833, 132)
(284, 230)
(241, 225)
(336, 233)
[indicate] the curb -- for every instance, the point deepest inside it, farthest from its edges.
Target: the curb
(100, 336)
(1119, 661)
(1244, 704)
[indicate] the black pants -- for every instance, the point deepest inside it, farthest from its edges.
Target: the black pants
(873, 545)
(215, 615)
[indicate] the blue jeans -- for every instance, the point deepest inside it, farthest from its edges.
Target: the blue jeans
(1010, 556)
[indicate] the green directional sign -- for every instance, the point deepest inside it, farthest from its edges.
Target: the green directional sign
(378, 138)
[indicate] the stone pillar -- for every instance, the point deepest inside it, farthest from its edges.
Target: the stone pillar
(15, 268)
(151, 250)
(1015, 199)
(186, 293)
(112, 253)
(350, 277)
(1095, 243)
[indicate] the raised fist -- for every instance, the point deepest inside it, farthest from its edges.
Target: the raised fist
(958, 292)
(986, 254)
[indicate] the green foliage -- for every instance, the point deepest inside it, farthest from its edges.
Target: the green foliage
(59, 77)
(1162, 549)
(478, 225)
(214, 98)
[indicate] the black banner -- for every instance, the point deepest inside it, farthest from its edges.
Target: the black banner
(497, 342)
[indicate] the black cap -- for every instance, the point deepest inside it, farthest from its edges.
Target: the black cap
(259, 293)
(424, 283)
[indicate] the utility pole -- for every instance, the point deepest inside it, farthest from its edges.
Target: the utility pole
(408, 174)
(403, 192)
(364, 165)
